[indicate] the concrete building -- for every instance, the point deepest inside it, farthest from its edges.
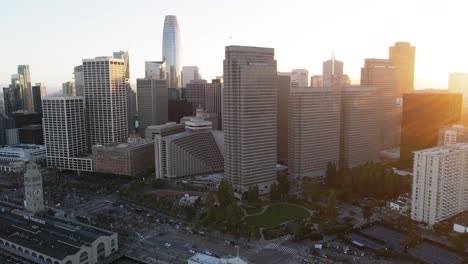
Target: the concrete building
(458, 83)
(79, 80)
(316, 81)
(360, 126)
(190, 73)
(172, 51)
(423, 114)
(452, 134)
(47, 239)
(131, 159)
(105, 100)
(283, 89)
(381, 74)
(200, 258)
(23, 152)
(402, 55)
(249, 117)
(131, 109)
(65, 133)
(188, 153)
(440, 181)
(152, 103)
(68, 88)
(12, 136)
(155, 70)
(314, 130)
(38, 91)
(300, 78)
(208, 96)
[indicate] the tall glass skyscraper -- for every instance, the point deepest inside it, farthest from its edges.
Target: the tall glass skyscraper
(171, 52)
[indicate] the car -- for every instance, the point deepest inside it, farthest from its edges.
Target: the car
(167, 245)
(192, 251)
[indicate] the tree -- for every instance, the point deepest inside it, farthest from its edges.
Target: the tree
(330, 211)
(225, 193)
(283, 183)
(210, 205)
(315, 190)
(330, 175)
(274, 192)
(252, 194)
(306, 188)
(341, 174)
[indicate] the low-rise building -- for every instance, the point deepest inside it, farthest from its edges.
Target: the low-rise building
(133, 159)
(23, 152)
(188, 200)
(47, 239)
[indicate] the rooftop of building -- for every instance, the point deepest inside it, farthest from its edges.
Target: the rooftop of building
(127, 145)
(23, 147)
(446, 149)
(165, 126)
(62, 97)
(46, 234)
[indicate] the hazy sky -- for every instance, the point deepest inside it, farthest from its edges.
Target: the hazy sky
(53, 36)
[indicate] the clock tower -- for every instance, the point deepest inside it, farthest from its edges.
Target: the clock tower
(33, 198)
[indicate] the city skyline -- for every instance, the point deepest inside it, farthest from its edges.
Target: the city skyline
(51, 60)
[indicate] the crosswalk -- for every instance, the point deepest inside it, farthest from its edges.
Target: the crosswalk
(277, 246)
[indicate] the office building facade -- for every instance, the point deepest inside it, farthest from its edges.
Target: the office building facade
(38, 91)
(172, 51)
(360, 125)
(300, 78)
(106, 100)
(458, 83)
(65, 133)
(249, 117)
(402, 55)
(283, 89)
(131, 159)
(152, 103)
(440, 182)
(68, 88)
(381, 74)
(316, 81)
(155, 70)
(24, 71)
(332, 72)
(314, 130)
(449, 135)
(207, 96)
(79, 80)
(423, 114)
(190, 73)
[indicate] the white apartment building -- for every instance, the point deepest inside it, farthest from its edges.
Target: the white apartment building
(314, 130)
(452, 134)
(440, 183)
(65, 133)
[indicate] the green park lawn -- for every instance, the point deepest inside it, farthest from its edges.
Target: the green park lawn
(277, 214)
(250, 210)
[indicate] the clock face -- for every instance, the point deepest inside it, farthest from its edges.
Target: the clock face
(37, 192)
